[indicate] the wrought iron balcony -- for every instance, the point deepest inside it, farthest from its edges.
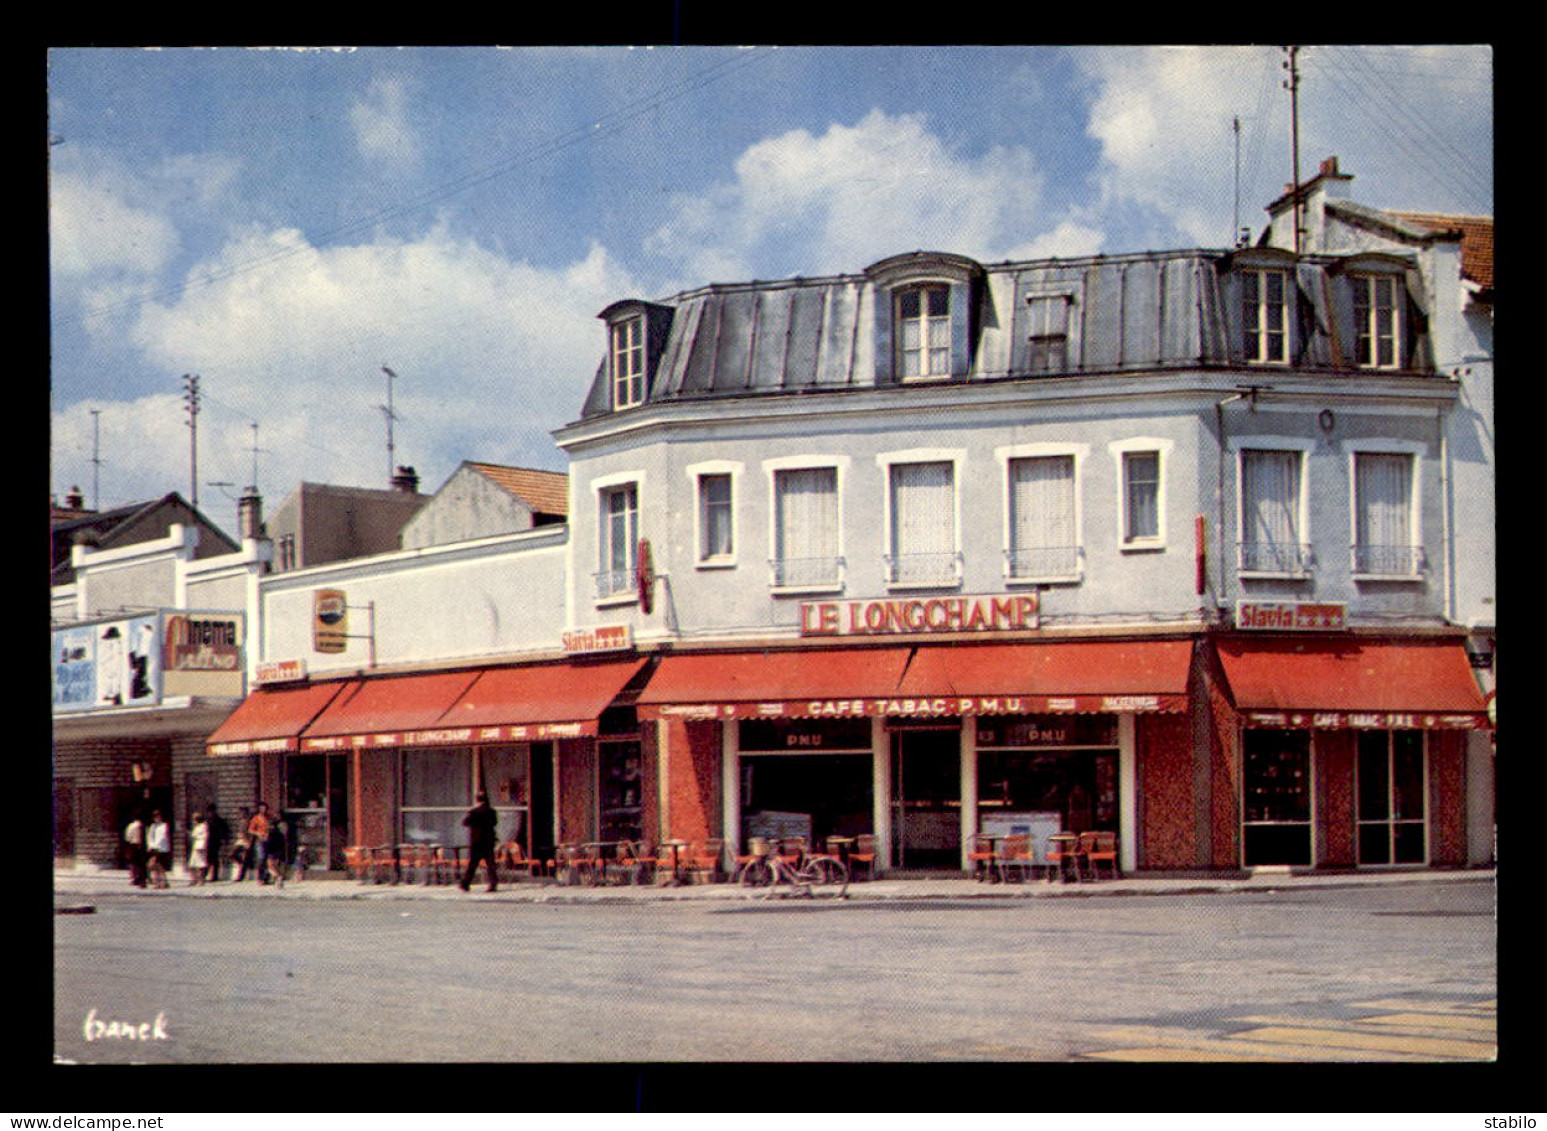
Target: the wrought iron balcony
(1388, 561)
(940, 569)
(1033, 563)
(806, 573)
(1275, 557)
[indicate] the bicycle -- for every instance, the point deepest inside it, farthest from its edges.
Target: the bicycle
(818, 876)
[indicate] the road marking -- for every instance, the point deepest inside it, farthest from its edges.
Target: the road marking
(1413, 1031)
(1373, 1042)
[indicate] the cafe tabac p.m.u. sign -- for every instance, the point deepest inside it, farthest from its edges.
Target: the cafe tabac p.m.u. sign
(913, 615)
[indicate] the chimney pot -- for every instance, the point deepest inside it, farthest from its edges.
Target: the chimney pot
(74, 499)
(406, 480)
(249, 515)
(1329, 167)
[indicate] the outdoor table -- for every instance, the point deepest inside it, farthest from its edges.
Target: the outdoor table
(676, 847)
(597, 850)
(994, 841)
(1066, 845)
(841, 846)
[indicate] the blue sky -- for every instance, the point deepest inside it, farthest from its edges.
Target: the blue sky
(284, 223)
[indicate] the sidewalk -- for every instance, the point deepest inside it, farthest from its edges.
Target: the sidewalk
(77, 887)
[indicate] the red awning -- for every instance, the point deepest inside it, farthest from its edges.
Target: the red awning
(390, 711)
(549, 701)
(1331, 684)
(792, 684)
(271, 719)
(1107, 676)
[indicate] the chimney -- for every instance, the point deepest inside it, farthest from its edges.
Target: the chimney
(249, 515)
(406, 480)
(74, 499)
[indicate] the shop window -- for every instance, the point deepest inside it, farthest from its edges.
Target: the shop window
(1044, 529)
(437, 792)
(806, 528)
(923, 525)
(504, 773)
(621, 793)
(1392, 810)
(1385, 541)
(1062, 767)
(1272, 513)
(1276, 797)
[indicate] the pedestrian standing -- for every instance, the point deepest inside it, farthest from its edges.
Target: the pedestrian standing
(241, 851)
(198, 850)
(219, 833)
(274, 851)
(158, 849)
(134, 838)
(480, 822)
(258, 846)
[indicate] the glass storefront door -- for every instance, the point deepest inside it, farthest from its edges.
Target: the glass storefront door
(1276, 798)
(317, 807)
(1392, 823)
(926, 798)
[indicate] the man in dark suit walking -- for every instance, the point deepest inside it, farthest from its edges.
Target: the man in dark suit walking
(480, 823)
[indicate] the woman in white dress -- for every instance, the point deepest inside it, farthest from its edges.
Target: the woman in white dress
(198, 851)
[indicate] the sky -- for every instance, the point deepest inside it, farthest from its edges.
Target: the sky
(287, 224)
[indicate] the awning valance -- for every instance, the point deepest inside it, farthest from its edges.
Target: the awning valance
(271, 719)
(1336, 683)
(552, 701)
(1003, 679)
(390, 711)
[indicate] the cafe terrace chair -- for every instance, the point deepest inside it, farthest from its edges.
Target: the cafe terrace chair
(1063, 852)
(863, 855)
(981, 857)
(1017, 854)
(357, 861)
(446, 865)
(635, 862)
(384, 864)
(510, 860)
(703, 861)
(1098, 848)
(416, 861)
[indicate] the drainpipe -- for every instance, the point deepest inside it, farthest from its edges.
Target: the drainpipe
(1447, 548)
(1219, 499)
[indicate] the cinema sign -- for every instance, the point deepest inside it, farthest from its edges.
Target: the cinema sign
(920, 615)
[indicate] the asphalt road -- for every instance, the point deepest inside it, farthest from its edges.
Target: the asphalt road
(222, 981)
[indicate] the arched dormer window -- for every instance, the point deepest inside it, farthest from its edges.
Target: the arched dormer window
(923, 316)
(636, 334)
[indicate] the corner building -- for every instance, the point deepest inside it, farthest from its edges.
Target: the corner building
(1164, 544)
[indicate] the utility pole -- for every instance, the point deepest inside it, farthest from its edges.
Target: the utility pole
(96, 462)
(1235, 230)
(191, 404)
(1293, 85)
(391, 416)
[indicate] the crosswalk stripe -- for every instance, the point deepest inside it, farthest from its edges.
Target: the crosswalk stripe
(1152, 1055)
(1142, 1038)
(1435, 1021)
(1414, 1025)
(1376, 1042)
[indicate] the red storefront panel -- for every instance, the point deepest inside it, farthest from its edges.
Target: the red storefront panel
(793, 684)
(554, 701)
(271, 719)
(1332, 684)
(391, 711)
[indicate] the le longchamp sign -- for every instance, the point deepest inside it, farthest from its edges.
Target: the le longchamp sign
(911, 616)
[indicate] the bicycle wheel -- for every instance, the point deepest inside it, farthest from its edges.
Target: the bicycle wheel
(757, 877)
(826, 877)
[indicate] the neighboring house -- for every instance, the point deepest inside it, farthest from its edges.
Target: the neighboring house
(319, 522)
(483, 499)
(149, 650)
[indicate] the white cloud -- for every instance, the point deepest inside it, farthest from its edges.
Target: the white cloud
(94, 231)
(808, 204)
(382, 130)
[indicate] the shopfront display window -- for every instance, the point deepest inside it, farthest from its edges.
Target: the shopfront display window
(1276, 797)
(809, 778)
(317, 807)
(437, 792)
(620, 768)
(504, 774)
(1392, 825)
(1064, 764)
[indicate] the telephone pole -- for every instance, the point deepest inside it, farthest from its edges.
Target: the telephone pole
(1293, 85)
(191, 405)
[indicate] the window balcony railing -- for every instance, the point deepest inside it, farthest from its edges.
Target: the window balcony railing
(613, 583)
(1388, 561)
(1275, 557)
(1037, 563)
(923, 569)
(806, 573)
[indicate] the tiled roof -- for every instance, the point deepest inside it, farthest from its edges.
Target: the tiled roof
(1476, 241)
(546, 492)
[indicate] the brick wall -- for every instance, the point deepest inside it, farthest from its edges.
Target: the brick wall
(693, 779)
(1166, 802)
(1447, 797)
(1336, 769)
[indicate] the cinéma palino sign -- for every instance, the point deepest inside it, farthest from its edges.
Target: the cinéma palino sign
(1293, 616)
(919, 615)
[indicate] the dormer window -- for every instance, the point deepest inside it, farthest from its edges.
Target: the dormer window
(924, 332)
(1265, 316)
(1377, 322)
(628, 362)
